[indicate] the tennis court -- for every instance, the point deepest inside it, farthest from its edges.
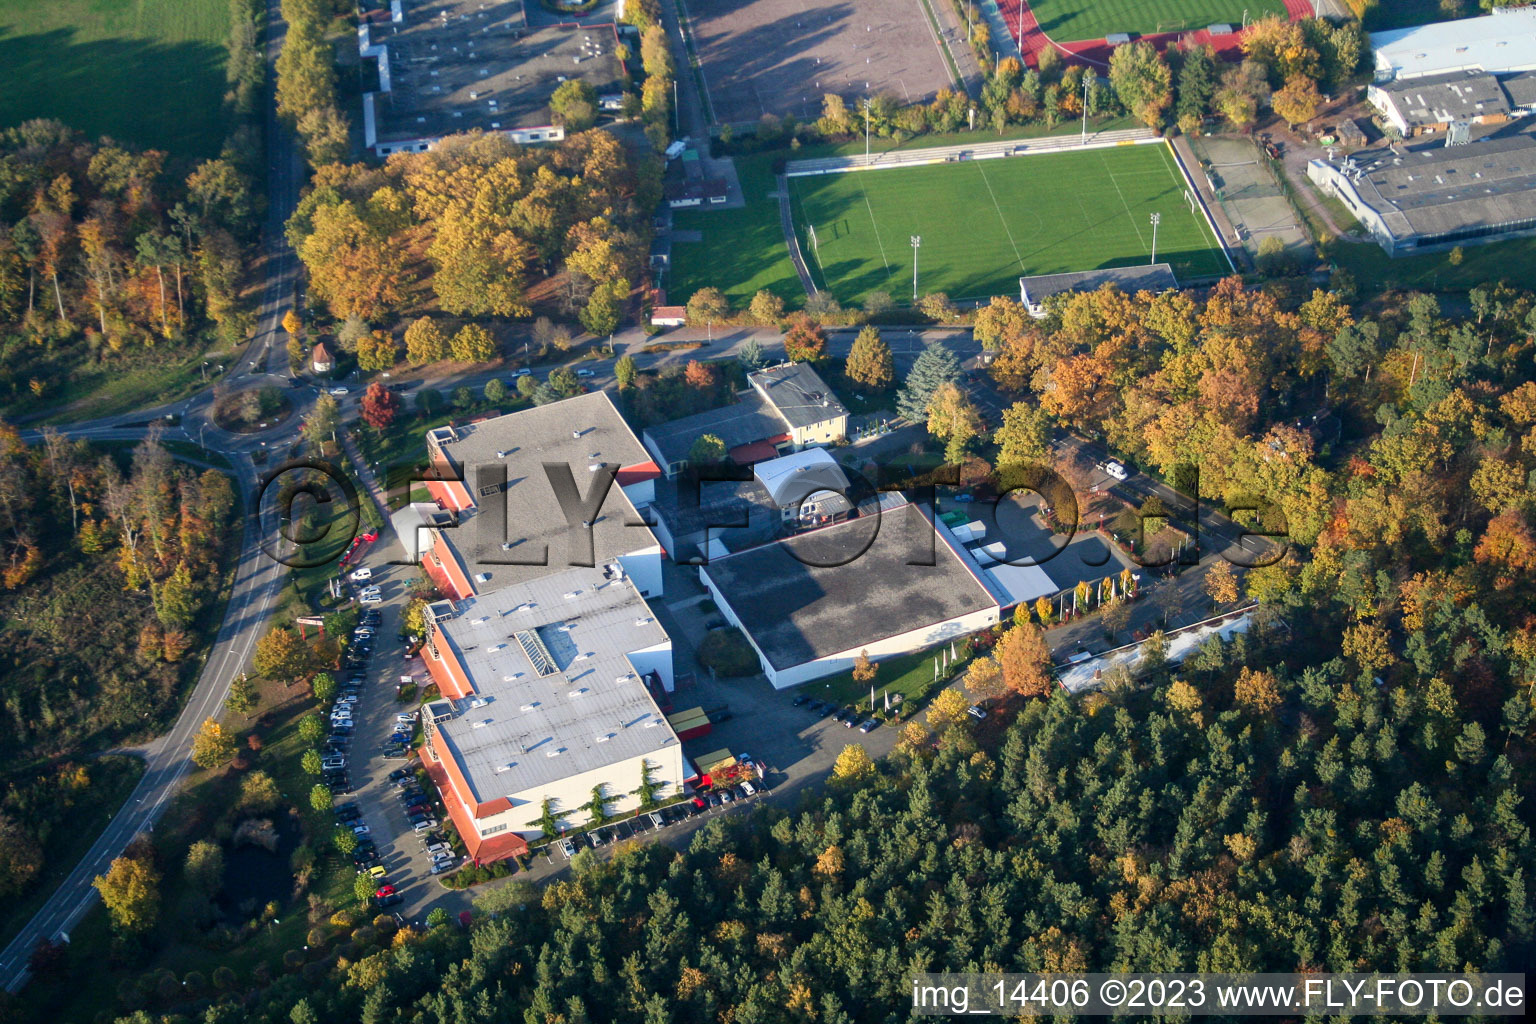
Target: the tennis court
(982, 224)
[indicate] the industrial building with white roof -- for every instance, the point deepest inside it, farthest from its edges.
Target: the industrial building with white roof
(547, 694)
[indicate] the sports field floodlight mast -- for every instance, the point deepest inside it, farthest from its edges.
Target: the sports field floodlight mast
(1085, 106)
(917, 240)
(866, 131)
(1157, 219)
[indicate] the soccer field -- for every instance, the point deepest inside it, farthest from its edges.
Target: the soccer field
(149, 72)
(985, 223)
(1068, 21)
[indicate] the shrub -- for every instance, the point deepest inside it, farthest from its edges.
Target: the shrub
(727, 652)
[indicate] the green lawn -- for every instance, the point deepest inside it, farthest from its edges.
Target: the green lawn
(984, 223)
(1374, 270)
(144, 71)
(1067, 21)
(742, 250)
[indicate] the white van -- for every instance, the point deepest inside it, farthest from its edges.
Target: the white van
(748, 788)
(362, 574)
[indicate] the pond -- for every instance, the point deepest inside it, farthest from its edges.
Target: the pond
(255, 876)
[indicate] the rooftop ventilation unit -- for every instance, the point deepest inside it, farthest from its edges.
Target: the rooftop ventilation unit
(478, 702)
(571, 593)
(603, 737)
(481, 724)
(653, 723)
(482, 620)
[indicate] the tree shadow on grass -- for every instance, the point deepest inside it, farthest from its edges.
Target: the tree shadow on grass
(161, 95)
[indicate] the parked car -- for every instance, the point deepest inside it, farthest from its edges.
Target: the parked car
(976, 711)
(826, 709)
(360, 830)
(1114, 469)
(568, 848)
(409, 718)
(747, 788)
(371, 599)
(656, 820)
(714, 799)
(335, 763)
(870, 725)
(435, 848)
(597, 839)
(376, 870)
(726, 796)
(799, 701)
(341, 389)
(400, 773)
(440, 866)
(426, 826)
(388, 901)
(585, 373)
(361, 574)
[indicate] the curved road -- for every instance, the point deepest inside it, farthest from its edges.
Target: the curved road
(258, 578)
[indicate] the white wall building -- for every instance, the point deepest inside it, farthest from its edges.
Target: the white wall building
(1503, 40)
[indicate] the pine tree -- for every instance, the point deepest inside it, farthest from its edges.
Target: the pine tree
(869, 361)
(243, 696)
(935, 366)
(624, 372)
(751, 355)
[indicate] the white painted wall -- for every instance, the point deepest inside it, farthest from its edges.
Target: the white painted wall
(570, 793)
(656, 659)
(644, 568)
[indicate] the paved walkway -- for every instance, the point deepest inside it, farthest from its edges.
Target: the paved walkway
(977, 151)
(953, 37)
(787, 225)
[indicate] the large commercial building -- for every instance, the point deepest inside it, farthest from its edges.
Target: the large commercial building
(1434, 102)
(524, 492)
(1437, 197)
(784, 409)
(887, 585)
(1501, 41)
(547, 697)
(451, 66)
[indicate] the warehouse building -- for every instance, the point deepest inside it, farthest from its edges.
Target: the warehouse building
(1502, 41)
(502, 479)
(1438, 197)
(1034, 291)
(547, 695)
(1431, 103)
(887, 585)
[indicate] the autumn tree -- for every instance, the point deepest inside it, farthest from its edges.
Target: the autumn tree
(1298, 101)
(322, 421)
(1024, 437)
(864, 670)
(707, 306)
(1508, 543)
(1221, 583)
(766, 308)
(804, 340)
(1257, 690)
(204, 868)
(984, 679)
(280, 655)
(213, 746)
(870, 364)
(1000, 320)
(574, 105)
(947, 710)
(953, 419)
(473, 344)
(1025, 660)
(853, 765)
(425, 342)
(377, 351)
(379, 406)
(258, 793)
(1368, 644)
(131, 892)
(699, 375)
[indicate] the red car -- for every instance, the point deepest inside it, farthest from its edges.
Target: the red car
(385, 890)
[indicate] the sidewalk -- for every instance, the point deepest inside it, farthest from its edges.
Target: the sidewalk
(976, 150)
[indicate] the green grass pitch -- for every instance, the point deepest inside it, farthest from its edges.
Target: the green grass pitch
(149, 72)
(985, 223)
(1068, 21)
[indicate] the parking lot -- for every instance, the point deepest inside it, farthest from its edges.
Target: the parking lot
(367, 751)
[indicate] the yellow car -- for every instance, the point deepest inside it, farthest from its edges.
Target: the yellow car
(377, 871)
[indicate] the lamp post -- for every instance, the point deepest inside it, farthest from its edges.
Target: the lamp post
(917, 240)
(1085, 106)
(1156, 220)
(866, 131)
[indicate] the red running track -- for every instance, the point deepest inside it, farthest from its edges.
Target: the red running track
(1097, 51)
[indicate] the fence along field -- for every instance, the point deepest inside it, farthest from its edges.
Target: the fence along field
(149, 72)
(985, 223)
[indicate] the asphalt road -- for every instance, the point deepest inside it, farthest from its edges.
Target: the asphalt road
(258, 580)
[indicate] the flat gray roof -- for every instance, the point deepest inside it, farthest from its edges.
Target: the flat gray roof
(1454, 96)
(458, 65)
(584, 708)
(578, 432)
(852, 595)
(799, 394)
(750, 418)
(1439, 189)
(1157, 277)
(1520, 88)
